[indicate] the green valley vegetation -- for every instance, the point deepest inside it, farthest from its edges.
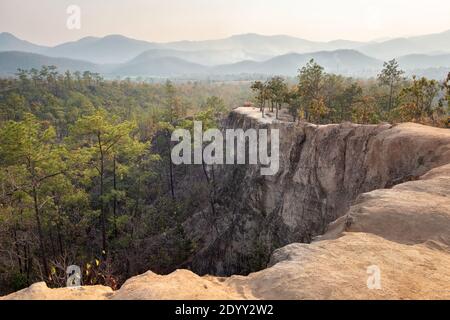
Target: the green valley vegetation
(85, 171)
(323, 98)
(86, 176)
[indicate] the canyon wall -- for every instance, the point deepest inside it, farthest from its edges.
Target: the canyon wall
(323, 169)
(346, 198)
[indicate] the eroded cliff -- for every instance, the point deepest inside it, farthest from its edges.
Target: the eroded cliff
(387, 186)
(323, 169)
(403, 231)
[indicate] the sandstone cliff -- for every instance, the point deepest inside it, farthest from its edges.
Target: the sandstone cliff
(387, 186)
(323, 169)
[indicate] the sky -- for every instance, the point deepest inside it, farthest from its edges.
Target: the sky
(45, 21)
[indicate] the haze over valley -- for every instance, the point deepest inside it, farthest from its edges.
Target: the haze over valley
(229, 150)
(249, 55)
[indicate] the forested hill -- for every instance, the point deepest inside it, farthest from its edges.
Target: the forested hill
(84, 168)
(86, 176)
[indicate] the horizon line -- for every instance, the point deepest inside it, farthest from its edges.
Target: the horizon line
(224, 38)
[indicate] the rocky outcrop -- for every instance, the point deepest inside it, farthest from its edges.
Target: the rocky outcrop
(411, 213)
(387, 186)
(40, 291)
(323, 169)
(404, 231)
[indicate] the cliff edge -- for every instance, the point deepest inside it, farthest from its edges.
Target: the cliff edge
(385, 189)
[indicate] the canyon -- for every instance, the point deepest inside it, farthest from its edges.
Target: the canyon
(346, 197)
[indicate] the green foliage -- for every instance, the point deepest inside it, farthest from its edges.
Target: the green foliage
(86, 174)
(310, 84)
(260, 89)
(418, 100)
(365, 111)
(83, 172)
(323, 98)
(18, 281)
(390, 76)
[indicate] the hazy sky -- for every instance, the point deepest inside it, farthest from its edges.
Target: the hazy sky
(44, 21)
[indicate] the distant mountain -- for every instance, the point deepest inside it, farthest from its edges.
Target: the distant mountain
(117, 49)
(439, 42)
(157, 64)
(269, 45)
(168, 63)
(204, 57)
(348, 62)
(159, 67)
(107, 50)
(430, 73)
(10, 61)
(9, 42)
(423, 61)
(343, 44)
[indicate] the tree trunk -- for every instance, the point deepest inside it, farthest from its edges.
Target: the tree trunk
(172, 189)
(138, 192)
(58, 231)
(52, 242)
(28, 261)
(16, 246)
(391, 93)
(211, 193)
(102, 205)
(115, 197)
(40, 233)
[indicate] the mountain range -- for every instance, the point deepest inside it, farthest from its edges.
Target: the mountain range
(251, 54)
